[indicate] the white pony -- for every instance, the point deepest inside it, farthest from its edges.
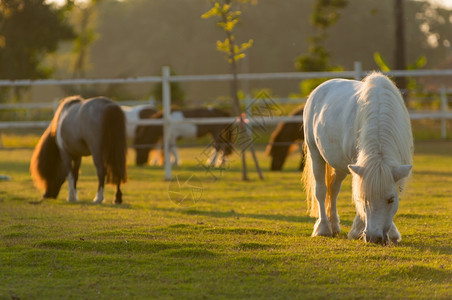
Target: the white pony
(362, 128)
(134, 114)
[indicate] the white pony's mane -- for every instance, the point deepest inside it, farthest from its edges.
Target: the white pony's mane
(385, 139)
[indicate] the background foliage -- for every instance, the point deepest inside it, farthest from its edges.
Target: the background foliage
(137, 37)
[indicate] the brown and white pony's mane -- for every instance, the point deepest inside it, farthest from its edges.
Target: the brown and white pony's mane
(45, 161)
(65, 104)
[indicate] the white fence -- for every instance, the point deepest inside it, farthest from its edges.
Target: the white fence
(166, 79)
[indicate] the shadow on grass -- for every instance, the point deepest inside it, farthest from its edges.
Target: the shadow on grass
(233, 214)
(14, 166)
(113, 247)
(417, 216)
(419, 273)
(434, 173)
(428, 246)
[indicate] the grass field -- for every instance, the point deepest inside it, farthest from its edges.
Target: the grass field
(239, 240)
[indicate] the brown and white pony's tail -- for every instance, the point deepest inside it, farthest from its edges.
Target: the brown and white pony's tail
(309, 185)
(114, 144)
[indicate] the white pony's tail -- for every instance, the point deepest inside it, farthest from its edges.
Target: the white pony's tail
(309, 185)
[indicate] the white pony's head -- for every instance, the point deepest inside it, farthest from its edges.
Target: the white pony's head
(384, 161)
(376, 193)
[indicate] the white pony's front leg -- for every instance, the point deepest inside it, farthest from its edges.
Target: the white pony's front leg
(322, 227)
(394, 235)
(100, 196)
(357, 228)
(334, 188)
(72, 195)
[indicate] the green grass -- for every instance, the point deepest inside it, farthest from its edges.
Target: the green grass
(240, 240)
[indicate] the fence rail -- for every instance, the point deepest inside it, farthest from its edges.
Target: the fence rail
(443, 114)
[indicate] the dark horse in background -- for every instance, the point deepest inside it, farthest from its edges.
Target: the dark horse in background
(79, 128)
(148, 136)
(283, 139)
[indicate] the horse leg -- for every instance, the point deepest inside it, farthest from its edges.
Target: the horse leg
(72, 166)
(75, 170)
(175, 153)
(322, 227)
(118, 196)
(394, 235)
(73, 178)
(357, 228)
(100, 169)
(333, 191)
(213, 158)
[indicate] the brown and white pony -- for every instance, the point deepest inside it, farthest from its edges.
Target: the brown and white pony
(148, 136)
(79, 128)
(283, 139)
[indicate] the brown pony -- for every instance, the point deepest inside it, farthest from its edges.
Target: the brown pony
(283, 138)
(79, 128)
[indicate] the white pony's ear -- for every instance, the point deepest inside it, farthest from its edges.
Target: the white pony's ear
(355, 169)
(401, 172)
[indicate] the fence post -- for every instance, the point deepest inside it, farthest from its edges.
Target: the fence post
(166, 99)
(443, 112)
(358, 70)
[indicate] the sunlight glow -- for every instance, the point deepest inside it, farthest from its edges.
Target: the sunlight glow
(442, 3)
(61, 2)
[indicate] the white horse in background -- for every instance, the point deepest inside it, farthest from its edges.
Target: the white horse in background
(362, 128)
(134, 114)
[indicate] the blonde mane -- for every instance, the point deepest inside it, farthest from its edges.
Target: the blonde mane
(384, 137)
(66, 102)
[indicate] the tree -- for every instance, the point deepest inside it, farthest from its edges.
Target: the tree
(228, 11)
(29, 29)
(324, 15)
(399, 42)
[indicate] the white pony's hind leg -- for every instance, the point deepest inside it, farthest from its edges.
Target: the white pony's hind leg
(100, 196)
(72, 195)
(357, 228)
(394, 235)
(334, 188)
(173, 150)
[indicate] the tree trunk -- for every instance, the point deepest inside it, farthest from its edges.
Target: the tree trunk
(399, 51)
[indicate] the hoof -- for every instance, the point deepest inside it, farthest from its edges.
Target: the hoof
(394, 235)
(97, 200)
(395, 240)
(322, 228)
(336, 229)
(357, 231)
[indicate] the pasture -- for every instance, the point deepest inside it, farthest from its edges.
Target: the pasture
(239, 240)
